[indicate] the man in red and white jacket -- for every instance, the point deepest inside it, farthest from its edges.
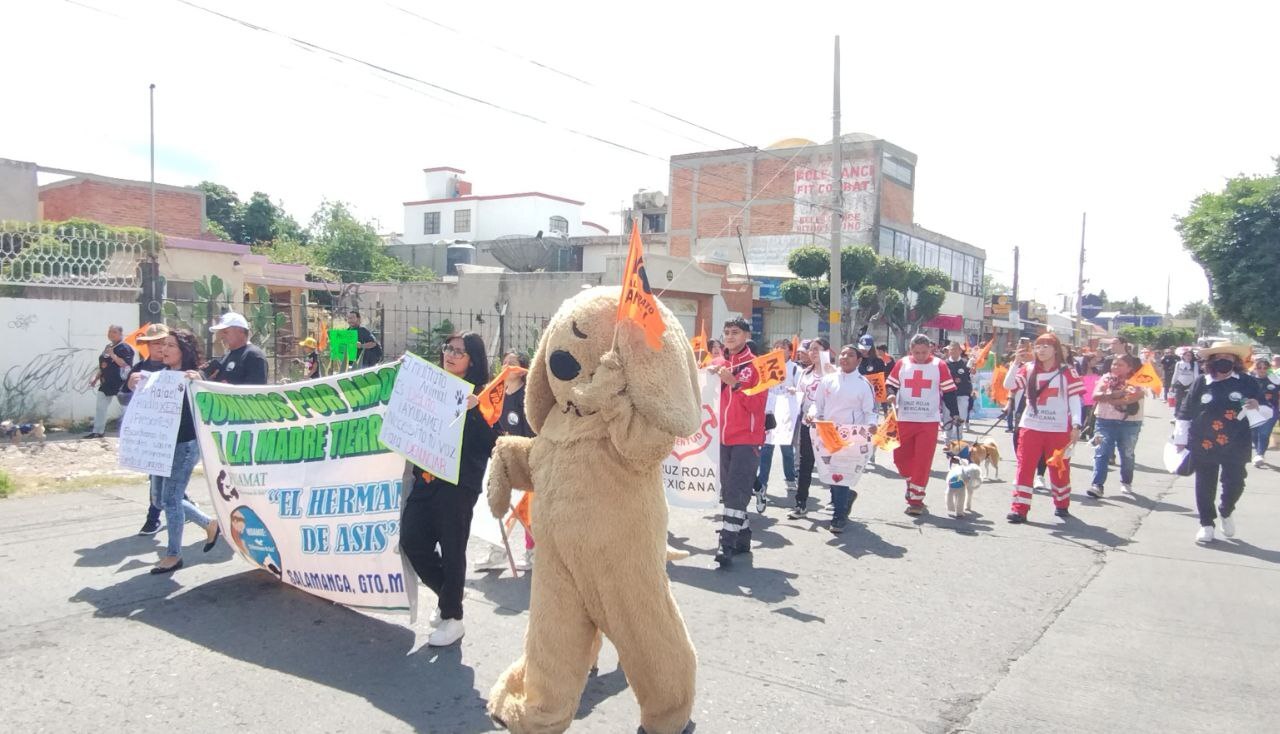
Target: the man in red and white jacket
(1050, 422)
(741, 436)
(920, 385)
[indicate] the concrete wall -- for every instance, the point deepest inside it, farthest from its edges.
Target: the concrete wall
(18, 187)
(53, 352)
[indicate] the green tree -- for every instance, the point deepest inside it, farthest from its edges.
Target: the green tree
(1203, 313)
(1131, 306)
(222, 207)
(993, 287)
(352, 250)
(1235, 236)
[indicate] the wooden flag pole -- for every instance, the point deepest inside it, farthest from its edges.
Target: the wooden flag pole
(511, 561)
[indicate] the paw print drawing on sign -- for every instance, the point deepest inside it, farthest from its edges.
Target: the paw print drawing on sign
(460, 399)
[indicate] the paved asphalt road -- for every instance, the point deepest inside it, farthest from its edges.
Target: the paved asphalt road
(1112, 621)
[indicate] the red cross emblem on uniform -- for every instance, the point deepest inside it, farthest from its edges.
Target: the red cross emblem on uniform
(918, 384)
(1045, 393)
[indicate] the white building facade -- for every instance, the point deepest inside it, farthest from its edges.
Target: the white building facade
(450, 212)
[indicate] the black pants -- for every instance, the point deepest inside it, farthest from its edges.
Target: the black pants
(738, 466)
(439, 514)
(805, 475)
(1207, 475)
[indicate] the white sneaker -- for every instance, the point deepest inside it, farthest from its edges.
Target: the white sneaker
(1095, 491)
(1258, 461)
(495, 561)
(1229, 527)
(525, 562)
(1125, 488)
(1038, 483)
(1205, 535)
(449, 632)
(435, 620)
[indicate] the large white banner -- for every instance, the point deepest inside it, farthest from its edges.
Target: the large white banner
(149, 431)
(812, 191)
(302, 486)
(424, 418)
(691, 472)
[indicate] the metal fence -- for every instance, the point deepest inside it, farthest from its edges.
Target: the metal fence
(61, 256)
(277, 327)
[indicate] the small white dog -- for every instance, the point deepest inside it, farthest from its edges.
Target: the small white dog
(963, 478)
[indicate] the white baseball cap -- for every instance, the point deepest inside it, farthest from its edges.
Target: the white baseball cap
(230, 318)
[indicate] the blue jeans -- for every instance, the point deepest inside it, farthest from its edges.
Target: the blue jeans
(1262, 437)
(842, 498)
(1115, 434)
(171, 491)
(766, 463)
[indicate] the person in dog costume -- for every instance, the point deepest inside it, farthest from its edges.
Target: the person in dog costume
(1051, 422)
(606, 413)
(920, 385)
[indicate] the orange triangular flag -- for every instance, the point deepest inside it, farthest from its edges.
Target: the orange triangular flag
(699, 343)
(140, 347)
(1058, 460)
(886, 436)
(877, 384)
(830, 436)
(999, 393)
(772, 368)
(323, 342)
(986, 352)
(492, 395)
(1146, 377)
(523, 512)
(795, 345)
(637, 302)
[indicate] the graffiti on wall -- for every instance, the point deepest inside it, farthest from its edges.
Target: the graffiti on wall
(27, 390)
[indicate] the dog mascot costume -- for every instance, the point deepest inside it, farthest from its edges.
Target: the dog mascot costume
(606, 413)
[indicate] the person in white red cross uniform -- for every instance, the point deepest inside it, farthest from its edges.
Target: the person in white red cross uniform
(1051, 421)
(919, 386)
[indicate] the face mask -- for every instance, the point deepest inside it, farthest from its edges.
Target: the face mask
(1222, 365)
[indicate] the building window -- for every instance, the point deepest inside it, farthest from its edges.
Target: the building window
(917, 251)
(901, 246)
(431, 223)
(462, 221)
(886, 242)
(652, 223)
(898, 171)
(559, 224)
(944, 260)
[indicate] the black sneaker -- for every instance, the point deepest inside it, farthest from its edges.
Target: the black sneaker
(1016, 518)
(798, 513)
(150, 527)
(724, 556)
(1062, 512)
(743, 542)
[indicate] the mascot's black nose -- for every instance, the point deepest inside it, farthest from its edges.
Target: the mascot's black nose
(564, 366)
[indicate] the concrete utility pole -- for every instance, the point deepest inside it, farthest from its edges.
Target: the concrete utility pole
(1075, 338)
(835, 317)
(153, 168)
(1015, 277)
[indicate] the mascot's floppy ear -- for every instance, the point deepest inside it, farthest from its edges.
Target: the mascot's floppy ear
(538, 398)
(663, 384)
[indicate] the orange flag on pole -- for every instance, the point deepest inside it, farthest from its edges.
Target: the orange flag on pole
(886, 436)
(795, 345)
(492, 395)
(323, 342)
(830, 436)
(999, 393)
(986, 352)
(1146, 377)
(139, 347)
(772, 368)
(699, 342)
(637, 302)
(877, 384)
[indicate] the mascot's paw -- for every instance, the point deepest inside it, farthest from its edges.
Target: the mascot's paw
(609, 381)
(676, 555)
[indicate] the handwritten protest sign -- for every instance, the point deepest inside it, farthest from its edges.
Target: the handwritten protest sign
(149, 431)
(343, 344)
(424, 418)
(303, 488)
(846, 464)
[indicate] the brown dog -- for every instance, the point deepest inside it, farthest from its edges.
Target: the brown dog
(17, 432)
(980, 453)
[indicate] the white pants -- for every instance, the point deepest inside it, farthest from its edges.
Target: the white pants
(100, 414)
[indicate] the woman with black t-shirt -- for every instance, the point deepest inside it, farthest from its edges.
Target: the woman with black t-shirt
(1209, 425)
(439, 512)
(177, 350)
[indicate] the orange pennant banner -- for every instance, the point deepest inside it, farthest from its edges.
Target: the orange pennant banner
(1058, 460)
(986, 352)
(140, 347)
(1146, 377)
(699, 343)
(493, 394)
(637, 302)
(886, 437)
(795, 345)
(877, 383)
(830, 436)
(999, 393)
(772, 368)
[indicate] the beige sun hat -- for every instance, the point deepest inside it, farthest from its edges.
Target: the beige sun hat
(1241, 351)
(154, 333)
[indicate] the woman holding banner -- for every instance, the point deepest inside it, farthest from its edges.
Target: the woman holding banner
(176, 350)
(437, 513)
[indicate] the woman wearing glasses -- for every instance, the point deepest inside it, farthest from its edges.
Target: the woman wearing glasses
(438, 513)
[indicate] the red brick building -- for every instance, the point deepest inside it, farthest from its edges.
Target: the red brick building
(123, 203)
(748, 208)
